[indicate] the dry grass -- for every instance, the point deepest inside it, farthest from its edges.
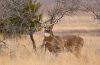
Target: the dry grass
(20, 50)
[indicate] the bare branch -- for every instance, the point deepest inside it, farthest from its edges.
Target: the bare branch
(93, 7)
(60, 9)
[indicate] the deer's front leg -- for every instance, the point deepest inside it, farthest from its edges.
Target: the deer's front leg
(43, 45)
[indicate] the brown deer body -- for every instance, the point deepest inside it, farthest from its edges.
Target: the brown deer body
(56, 44)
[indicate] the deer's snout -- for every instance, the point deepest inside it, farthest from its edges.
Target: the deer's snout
(47, 31)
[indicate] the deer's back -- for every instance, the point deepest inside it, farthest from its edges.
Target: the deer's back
(74, 39)
(70, 40)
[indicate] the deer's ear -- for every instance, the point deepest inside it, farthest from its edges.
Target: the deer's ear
(52, 26)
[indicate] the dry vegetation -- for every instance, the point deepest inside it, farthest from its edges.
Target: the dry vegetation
(20, 50)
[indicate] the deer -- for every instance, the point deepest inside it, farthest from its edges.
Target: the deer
(56, 44)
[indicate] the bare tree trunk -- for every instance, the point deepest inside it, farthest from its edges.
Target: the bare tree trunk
(33, 42)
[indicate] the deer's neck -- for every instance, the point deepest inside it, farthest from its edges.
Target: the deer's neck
(50, 37)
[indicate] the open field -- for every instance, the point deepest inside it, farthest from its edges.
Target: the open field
(20, 50)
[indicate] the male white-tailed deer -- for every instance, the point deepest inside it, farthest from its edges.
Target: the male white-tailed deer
(56, 44)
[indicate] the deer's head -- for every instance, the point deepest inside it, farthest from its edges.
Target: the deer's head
(48, 30)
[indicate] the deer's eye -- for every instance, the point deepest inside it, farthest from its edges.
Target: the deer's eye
(44, 27)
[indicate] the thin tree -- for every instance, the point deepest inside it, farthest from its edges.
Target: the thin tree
(19, 17)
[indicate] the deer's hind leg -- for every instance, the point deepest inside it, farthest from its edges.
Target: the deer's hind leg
(74, 48)
(68, 46)
(78, 49)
